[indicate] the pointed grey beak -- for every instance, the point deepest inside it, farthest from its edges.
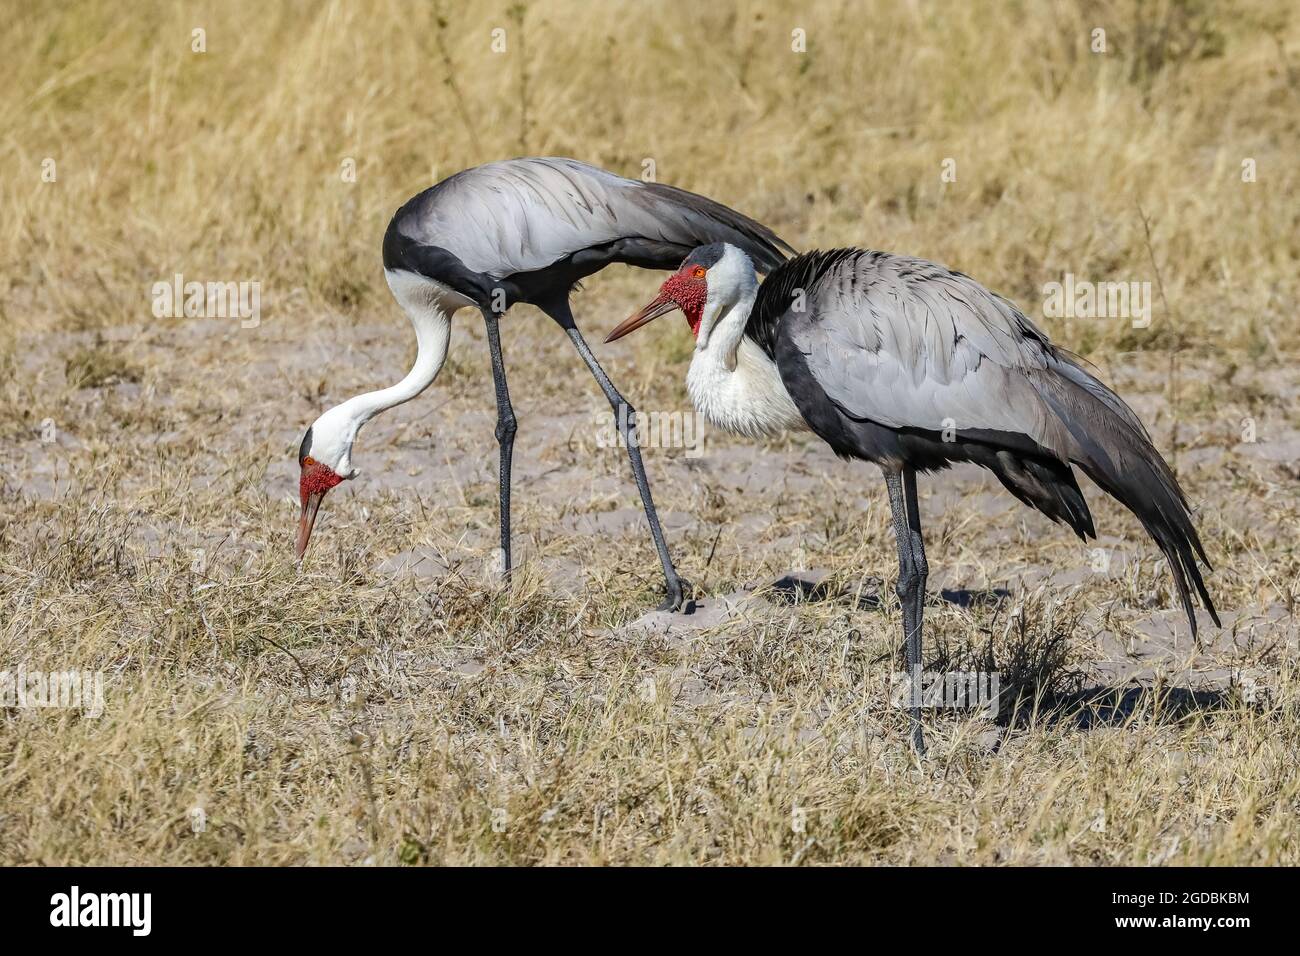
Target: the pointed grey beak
(660, 306)
(306, 520)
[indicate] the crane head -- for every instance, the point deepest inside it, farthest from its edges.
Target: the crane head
(709, 280)
(324, 460)
(686, 289)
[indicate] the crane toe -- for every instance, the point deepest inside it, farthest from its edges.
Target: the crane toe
(679, 599)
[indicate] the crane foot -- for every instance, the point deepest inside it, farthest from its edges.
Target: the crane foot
(679, 597)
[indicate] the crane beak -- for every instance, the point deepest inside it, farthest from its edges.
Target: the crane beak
(310, 505)
(660, 306)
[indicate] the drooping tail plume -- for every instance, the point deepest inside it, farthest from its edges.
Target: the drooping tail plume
(1115, 451)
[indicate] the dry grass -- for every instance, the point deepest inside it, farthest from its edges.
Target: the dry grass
(350, 713)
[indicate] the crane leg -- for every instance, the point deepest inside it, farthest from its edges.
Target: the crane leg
(910, 587)
(505, 431)
(625, 417)
(921, 570)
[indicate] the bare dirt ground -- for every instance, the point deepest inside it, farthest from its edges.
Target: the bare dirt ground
(453, 720)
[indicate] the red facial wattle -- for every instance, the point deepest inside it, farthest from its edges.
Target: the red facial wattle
(687, 290)
(316, 479)
(690, 294)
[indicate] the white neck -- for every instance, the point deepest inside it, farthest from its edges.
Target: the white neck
(429, 313)
(732, 381)
(429, 305)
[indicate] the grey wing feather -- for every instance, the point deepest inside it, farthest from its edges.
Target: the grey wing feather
(523, 215)
(909, 344)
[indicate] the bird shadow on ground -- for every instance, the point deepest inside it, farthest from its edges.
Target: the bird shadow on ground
(1039, 682)
(799, 589)
(795, 588)
(1090, 707)
(968, 598)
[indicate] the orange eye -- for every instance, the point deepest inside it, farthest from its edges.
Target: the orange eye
(698, 272)
(309, 460)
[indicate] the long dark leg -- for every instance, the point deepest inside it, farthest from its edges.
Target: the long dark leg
(505, 431)
(625, 416)
(907, 588)
(920, 566)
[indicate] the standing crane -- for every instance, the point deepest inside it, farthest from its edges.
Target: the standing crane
(523, 230)
(907, 364)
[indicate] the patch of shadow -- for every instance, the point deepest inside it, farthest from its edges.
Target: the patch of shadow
(801, 589)
(967, 598)
(1035, 683)
(1113, 706)
(797, 588)
(1095, 707)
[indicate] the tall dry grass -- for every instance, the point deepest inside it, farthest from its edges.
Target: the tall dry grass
(229, 163)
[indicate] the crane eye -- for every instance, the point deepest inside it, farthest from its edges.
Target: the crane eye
(699, 272)
(308, 461)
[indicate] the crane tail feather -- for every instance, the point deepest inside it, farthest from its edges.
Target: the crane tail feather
(1123, 462)
(1047, 485)
(1038, 480)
